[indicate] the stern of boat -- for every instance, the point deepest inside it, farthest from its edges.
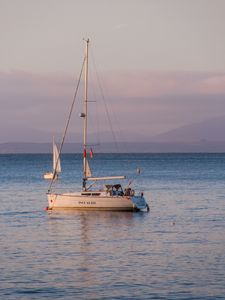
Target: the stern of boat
(139, 202)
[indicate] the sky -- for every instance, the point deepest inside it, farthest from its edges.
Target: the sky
(161, 64)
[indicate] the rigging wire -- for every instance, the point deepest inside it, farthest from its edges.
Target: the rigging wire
(105, 104)
(67, 124)
(96, 111)
(124, 141)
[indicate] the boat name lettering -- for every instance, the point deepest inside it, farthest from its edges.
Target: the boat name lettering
(87, 202)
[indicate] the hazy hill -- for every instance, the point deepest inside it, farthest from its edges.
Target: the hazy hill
(154, 147)
(212, 130)
(207, 136)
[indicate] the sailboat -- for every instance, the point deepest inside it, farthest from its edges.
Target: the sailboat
(111, 197)
(56, 165)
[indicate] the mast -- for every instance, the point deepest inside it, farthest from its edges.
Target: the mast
(85, 115)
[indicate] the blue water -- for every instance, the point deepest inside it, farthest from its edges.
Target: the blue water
(177, 251)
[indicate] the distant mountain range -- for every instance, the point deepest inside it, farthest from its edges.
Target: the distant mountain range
(212, 130)
(154, 147)
(207, 136)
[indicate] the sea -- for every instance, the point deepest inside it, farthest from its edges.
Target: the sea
(176, 251)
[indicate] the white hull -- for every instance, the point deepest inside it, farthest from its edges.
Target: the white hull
(92, 202)
(49, 176)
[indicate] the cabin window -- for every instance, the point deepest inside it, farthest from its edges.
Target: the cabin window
(90, 194)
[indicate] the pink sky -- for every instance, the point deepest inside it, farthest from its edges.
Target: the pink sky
(162, 65)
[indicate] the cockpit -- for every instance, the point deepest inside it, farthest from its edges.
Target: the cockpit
(117, 190)
(114, 189)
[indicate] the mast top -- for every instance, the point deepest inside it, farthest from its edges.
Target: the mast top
(86, 40)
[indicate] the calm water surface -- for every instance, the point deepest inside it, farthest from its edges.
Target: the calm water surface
(177, 251)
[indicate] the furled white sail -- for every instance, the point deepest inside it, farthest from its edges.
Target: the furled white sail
(88, 169)
(56, 159)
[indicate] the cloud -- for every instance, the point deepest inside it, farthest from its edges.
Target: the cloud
(34, 100)
(148, 102)
(214, 84)
(157, 84)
